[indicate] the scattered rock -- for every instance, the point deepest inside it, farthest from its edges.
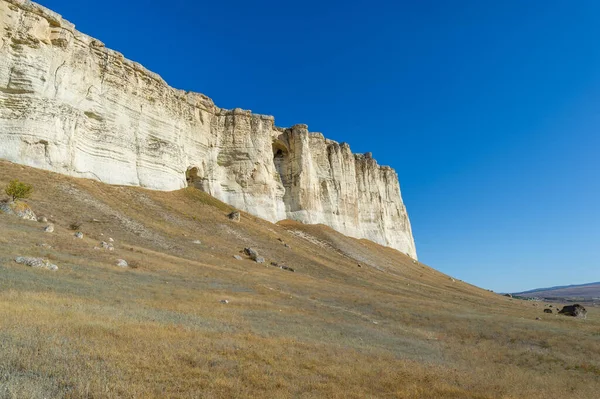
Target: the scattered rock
(254, 255)
(49, 228)
(547, 310)
(286, 245)
(225, 301)
(274, 264)
(574, 310)
(237, 257)
(107, 245)
(42, 219)
(508, 295)
(110, 239)
(359, 265)
(122, 263)
(79, 234)
(36, 262)
(196, 242)
(235, 216)
(44, 245)
(19, 209)
(289, 269)
(538, 318)
(453, 280)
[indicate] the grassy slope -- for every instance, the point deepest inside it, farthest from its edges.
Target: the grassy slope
(391, 328)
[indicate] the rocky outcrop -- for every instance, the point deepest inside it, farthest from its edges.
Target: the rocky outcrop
(70, 105)
(17, 208)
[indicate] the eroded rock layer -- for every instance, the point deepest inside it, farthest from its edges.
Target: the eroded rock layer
(70, 105)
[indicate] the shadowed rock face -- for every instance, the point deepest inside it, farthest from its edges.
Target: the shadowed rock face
(72, 106)
(574, 310)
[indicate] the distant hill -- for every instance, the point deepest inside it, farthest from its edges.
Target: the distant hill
(587, 291)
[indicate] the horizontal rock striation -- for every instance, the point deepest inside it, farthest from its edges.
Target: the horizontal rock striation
(70, 105)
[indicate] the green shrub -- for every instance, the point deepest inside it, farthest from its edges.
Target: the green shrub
(18, 190)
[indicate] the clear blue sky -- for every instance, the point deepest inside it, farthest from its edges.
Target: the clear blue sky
(488, 110)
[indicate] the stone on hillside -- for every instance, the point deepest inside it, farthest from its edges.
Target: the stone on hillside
(259, 259)
(235, 216)
(110, 239)
(289, 269)
(237, 257)
(197, 242)
(79, 234)
(36, 262)
(49, 228)
(107, 245)
(224, 301)
(122, 263)
(19, 209)
(44, 245)
(251, 253)
(42, 219)
(574, 310)
(547, 310)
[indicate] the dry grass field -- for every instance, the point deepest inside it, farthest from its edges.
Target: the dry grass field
(392, 328)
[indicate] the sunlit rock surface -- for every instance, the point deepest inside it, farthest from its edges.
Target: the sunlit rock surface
(70, 105)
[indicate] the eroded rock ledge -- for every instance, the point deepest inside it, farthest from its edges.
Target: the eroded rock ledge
(70, 105)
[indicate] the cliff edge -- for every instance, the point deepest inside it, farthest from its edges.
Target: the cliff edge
(70, 105)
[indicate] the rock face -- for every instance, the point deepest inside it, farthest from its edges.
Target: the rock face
(72, 106)
(19, 209)
(574, 310)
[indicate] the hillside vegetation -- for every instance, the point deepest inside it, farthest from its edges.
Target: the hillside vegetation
(389, 328)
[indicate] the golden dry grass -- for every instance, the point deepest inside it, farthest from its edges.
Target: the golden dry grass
(389, 329)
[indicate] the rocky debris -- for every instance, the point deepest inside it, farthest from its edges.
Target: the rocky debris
(42, 219)
(49, 228)
(286, 245)
(453, 280)
(197, 242)
(122, 263)
(254, 255)
(79, 235)
(36, 262)
(224, 301)
(237, 257)
(508, 295)
(359, 265)
(235, 216)
(538, 318)
(110, 239)
(547, 310)
(19, 209)
(107, 245)
(44, 245)
(574, 310)
(282, 267)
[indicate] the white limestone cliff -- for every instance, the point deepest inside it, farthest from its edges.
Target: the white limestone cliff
(72, 106)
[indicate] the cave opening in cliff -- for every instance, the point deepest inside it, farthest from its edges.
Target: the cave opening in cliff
(192, 178)
(282, 166)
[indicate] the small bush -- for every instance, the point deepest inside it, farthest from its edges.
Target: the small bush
(18, 190)
(75, 226)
